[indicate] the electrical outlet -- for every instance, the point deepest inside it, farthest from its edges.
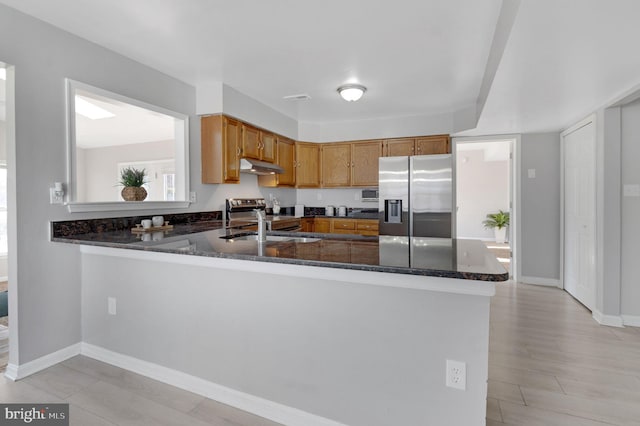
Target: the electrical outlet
(456, 374)
(55, 197)
(111, 305)
(319, 195)
(193, 197)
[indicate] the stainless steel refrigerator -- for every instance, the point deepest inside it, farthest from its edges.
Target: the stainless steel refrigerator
(416, 196)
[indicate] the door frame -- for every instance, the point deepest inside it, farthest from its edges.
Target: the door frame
(12, 215)
(515, 228)
(591, 119)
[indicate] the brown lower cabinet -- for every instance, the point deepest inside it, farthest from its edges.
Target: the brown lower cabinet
(322, 225)
(326, 225)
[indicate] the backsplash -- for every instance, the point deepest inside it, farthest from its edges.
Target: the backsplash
(74, 227)
(349, 197)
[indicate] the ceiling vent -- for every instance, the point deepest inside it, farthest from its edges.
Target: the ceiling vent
(300, 97)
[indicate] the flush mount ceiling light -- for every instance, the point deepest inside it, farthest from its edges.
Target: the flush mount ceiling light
(351, 92)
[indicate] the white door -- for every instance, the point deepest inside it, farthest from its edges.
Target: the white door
(579, 144)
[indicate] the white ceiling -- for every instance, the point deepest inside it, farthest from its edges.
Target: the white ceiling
(563, 58)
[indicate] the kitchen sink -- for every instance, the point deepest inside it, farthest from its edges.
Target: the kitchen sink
(275, 238)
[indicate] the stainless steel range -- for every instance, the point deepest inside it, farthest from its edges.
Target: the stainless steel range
(241, 215)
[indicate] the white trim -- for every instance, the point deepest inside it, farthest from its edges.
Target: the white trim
(182, 155)
(17, 372)
(550, 282)
(253, 404)
(5, 278)
(610, 320)
(631, 320)
(126, 206)
(384, 279)
(591, 119)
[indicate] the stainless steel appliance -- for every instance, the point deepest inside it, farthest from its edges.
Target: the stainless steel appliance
(241, 215)
(369, 195)
(416, 196)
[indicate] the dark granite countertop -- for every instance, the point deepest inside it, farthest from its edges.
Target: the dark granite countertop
(450, 258)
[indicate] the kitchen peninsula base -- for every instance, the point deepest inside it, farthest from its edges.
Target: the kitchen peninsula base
(298, 344)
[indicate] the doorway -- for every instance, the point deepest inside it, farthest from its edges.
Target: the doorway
(486, 185)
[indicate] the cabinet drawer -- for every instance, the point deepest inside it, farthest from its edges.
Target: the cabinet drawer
(344, 225)
(367, 225)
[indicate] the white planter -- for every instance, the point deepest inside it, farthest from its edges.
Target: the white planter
(501, 234)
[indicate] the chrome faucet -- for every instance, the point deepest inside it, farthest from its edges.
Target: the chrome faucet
(262, 226)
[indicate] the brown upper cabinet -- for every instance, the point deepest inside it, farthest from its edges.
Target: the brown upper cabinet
(425, 145)
(220, 149)
(350, 164)
(258, 144)
(307, 164)
(336, 164)
(251, 142)
(364, 163)
(285, 158)
(268, 144)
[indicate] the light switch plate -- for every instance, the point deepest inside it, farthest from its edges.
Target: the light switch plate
(531, 173)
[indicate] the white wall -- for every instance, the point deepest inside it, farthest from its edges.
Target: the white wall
(3, 139)
(102, 183)
(47, 315)
(540, 206)
(239, 105)
(377, 128)
(359, 354)
(482, 187)
(630, 212)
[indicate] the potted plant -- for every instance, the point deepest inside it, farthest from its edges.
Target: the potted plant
(132, 179)
(498, 222)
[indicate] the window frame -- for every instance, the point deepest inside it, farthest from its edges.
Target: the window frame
(181, 160)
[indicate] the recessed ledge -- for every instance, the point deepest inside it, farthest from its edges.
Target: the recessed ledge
(126, 206)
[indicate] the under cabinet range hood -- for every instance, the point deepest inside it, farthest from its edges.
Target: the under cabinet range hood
(257, 167)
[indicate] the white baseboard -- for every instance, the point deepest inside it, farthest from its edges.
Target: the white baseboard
(550, 282)
(631, 320)
(17, 372)
(259, 406)
(610, 320)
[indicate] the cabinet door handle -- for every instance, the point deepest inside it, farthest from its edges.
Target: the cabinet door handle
(348, 164)
(239, 151)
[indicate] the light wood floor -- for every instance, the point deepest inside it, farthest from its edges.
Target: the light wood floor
(100, 394)
(550, 364)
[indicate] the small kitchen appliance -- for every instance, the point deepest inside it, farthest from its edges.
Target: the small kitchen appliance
(329, 211)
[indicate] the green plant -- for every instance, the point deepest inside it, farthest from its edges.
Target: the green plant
(497, 220)
(132, 177)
